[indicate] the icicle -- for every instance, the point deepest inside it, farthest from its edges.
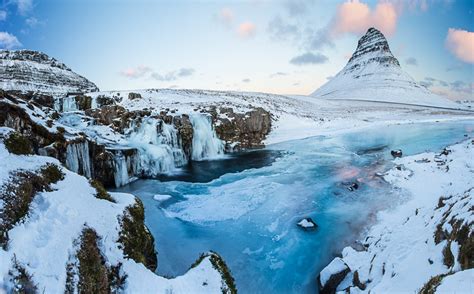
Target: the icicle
(121, 170)
(77, 158)
(206, 145)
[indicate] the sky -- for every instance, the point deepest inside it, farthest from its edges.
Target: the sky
(283, 47)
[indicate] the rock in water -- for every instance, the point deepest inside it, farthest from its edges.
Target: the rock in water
(374, 74)
(353, 186)
(307, 224)
(332, 275)
(396, 153)
(27, 70)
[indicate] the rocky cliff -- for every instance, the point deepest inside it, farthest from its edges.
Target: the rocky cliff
(27, 70)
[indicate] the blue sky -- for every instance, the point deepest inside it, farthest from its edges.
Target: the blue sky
(288, 47)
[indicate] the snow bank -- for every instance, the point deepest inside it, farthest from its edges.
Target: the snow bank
(43, 242)
(407, 246)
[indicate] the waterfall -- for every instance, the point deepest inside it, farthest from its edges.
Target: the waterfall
(67, 104)
(77, 158)
(158, 145)
(120, 169)
(206, 145)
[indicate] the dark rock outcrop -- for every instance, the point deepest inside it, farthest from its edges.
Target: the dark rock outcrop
(247, 129)
(133, 96)
(332, 275)
(396, 153)
(185, 132)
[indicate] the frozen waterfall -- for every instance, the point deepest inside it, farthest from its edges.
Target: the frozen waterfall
(206, 145)
(158, 145)
(65, 104)
(121, 176)
(77, 158)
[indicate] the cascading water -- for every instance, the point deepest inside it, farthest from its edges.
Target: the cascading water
(66, 104)
(158, 145)
(77, 158)
(206, 145)
(121, 176)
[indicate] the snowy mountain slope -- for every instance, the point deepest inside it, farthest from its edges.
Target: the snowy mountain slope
(374, 74)
(427, 240)
(43, 243)
(27, 70)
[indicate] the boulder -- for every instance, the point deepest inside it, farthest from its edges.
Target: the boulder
(445, 152)
(307, 224)
(396, 153)
(332, 275)
(133, 96)
(353, 186)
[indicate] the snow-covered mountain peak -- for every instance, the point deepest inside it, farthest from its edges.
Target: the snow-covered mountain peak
(372, 47)
(28, 70)
(374, 74)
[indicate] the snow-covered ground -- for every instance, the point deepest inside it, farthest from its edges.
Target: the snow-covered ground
(404, 250)
(43, 241)
(294, 117)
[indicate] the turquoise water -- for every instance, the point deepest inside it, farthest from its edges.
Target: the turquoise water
(247, 209)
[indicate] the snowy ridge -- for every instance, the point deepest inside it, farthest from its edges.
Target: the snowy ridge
(43, 242)
(27, 70)
(374, 74)
(411, 244)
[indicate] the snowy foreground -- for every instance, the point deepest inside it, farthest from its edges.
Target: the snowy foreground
(45, 241)
(425, 243)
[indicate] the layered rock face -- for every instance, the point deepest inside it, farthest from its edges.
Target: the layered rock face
(27, 70)
(242, 130)
(374, 74)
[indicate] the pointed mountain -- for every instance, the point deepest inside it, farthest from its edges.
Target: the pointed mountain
(27, 70)
(374, 74)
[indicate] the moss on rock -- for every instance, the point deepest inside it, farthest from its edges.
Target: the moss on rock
(220, 265)
(137, 242)
(93, 273)
(101, 193)
(432, 284)
(18, 144)
(20, 278)
(18, 193)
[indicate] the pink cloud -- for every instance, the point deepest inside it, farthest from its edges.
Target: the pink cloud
(246, 29)
(461, 44)
(356, 17)
(137, 72)
(226, 15)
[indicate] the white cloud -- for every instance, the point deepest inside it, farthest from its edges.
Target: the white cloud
(8, 41)
(3, 15)
(461, 44)
(24, 6)
(32, 22)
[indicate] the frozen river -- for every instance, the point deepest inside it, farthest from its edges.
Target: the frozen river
(246, 206)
